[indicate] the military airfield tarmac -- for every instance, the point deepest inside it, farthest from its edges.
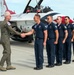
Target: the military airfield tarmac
(24, 61)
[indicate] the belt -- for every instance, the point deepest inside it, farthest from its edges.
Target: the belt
(50, 38)
(38, 38)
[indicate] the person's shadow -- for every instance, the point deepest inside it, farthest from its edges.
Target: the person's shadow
(29, 63)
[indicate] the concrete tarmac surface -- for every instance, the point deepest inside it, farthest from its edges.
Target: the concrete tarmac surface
(24, 60)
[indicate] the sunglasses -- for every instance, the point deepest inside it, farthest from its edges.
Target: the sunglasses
(47, 18)
(57, 19)
(66, 19)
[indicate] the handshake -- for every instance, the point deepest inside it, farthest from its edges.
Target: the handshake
(23, 35)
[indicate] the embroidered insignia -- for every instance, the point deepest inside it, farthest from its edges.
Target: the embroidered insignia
(65, 27)
(35, 26)
(55, 26)
(39, 26)
(46, 26)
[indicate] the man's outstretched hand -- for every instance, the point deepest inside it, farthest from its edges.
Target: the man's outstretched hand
(23, 35)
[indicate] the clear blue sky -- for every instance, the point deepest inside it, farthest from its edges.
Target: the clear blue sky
(65, 7)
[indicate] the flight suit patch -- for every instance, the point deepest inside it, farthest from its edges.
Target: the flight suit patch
(9, 23)
(39, 26)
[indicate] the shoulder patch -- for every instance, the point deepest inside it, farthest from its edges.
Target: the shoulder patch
(55, 26)
(35, 26)
(46, 26)
(65, 26)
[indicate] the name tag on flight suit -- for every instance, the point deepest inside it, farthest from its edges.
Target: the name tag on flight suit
(9, 23)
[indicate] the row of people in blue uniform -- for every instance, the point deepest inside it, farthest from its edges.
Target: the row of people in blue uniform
(56, 37)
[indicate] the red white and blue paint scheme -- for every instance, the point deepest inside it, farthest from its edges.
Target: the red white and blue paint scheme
(23, 22)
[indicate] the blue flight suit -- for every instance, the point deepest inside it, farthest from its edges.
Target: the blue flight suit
(73, 48)
(39, 38)
(50, 46)
(59, 46)
(70, 28)
(73, 43)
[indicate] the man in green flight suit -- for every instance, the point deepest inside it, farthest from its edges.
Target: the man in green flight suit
(5, 41)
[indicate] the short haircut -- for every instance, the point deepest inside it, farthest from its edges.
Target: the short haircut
(50, 16)
(60, 16)
(67, 17)
(38, 15)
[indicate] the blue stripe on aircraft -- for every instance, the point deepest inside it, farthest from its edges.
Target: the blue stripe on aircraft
(52, 14)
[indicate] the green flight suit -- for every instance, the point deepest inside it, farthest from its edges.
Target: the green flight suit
(5, 41)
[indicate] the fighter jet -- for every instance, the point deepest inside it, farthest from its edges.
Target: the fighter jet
(23, 22)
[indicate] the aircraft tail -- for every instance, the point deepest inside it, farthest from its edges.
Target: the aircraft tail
(4, 3)
(4, 7)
